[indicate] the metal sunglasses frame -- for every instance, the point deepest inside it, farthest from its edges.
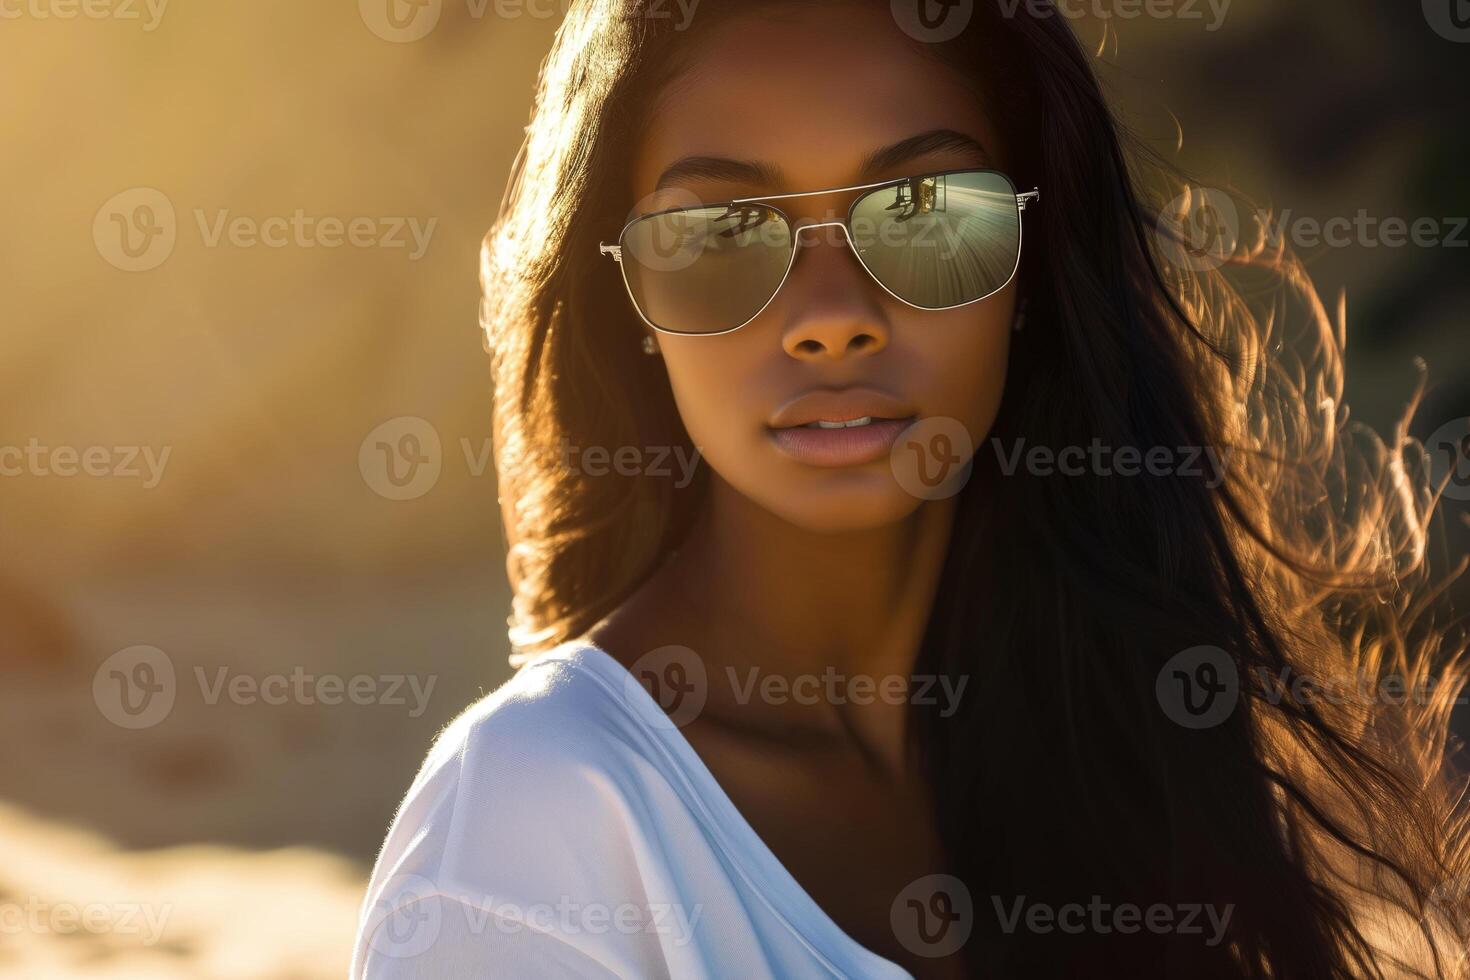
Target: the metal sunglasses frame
(1032, 196)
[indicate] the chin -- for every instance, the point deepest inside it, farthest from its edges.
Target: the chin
(838, 502)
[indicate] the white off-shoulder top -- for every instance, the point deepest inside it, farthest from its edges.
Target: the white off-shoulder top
(564, 827)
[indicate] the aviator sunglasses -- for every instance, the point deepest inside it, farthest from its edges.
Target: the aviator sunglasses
(936, 242)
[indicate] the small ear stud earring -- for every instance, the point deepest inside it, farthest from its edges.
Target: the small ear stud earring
(650, 346)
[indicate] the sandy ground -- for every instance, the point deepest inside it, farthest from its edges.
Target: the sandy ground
(232, 837)
(74, 904)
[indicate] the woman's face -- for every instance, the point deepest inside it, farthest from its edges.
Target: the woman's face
(798, 100)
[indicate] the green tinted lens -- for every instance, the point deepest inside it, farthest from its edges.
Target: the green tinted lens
(706, 270)
(940, 241)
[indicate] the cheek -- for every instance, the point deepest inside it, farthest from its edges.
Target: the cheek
(962, 355)
(716, 381)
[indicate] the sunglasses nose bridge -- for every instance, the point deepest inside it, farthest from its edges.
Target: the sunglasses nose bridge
(797, 232)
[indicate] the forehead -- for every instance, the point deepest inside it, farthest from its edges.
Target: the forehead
(812, 90)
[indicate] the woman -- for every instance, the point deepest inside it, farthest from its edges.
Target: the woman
(922, 567)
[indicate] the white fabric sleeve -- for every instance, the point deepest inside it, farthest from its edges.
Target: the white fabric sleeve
(441, 938)
(507, 858)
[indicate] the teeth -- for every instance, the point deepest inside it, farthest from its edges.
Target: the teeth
(850, 424)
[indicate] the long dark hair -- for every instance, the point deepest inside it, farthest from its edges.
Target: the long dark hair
(1327, 828)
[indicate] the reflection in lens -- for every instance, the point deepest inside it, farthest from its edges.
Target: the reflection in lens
(940, 241)
(706, 270)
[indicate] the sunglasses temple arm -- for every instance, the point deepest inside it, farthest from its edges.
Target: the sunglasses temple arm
(616, 251)
(1033, 196)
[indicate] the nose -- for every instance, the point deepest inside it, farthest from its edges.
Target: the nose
(833, 311)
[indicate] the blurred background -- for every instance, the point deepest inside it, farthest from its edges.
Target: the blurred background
(250, 554)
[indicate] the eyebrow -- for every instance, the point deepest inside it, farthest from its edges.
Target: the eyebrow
(764, 174)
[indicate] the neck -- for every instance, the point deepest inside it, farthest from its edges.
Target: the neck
(842, 607)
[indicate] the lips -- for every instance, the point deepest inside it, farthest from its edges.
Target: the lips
(839, 426)
(840, 405)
